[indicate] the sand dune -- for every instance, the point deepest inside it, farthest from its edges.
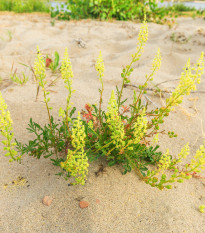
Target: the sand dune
(127, 205)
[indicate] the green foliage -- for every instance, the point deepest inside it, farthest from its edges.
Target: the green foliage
(18, 80)
(53, 65)
(123, 134)
(8, 38)
(47, 137)
(101, 9)
(109, 9)
(180, 7)
(53, 22)
(121, 10)
(20, 6)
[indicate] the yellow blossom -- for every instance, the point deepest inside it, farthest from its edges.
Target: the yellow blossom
(77, 161)
(188, 80)
(115, 123)
(99, 66)
(40, 68)
(61, 113)
(157, 61)
(6, 130)
(164, 162)
(155, 138)
(40, 73)
(66, 68)
(140, 127)
(67, 75)
(198, 162)
(143, 35)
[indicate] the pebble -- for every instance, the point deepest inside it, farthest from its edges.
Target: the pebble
(97, 201)
(47, 201)
(84, 204)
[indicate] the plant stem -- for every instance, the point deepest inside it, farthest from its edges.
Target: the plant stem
(127, 73)
(100, 102)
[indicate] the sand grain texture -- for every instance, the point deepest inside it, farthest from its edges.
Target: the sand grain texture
(126, 205)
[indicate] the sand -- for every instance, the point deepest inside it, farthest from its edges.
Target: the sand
(118, 203)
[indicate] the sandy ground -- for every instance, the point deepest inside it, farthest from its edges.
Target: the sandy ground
(125, 204)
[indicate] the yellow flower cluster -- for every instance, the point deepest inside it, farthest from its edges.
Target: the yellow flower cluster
(142, 39)
(198, 163)
(67, 75)
(157, 61)
(188, 81)
(77, 161)
(155, 139)
(6, 130)
(78, 134)
(40, 73)
(164, 162)
(40, 68)
(143, 35)
(140, 127)
(66, 68)
(61, 113)
(115, 123)
(90, 125)
(183, 154)
(99, 66)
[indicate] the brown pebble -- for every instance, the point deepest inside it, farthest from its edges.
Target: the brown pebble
(84, 204)
(47, 201)
(97, 201)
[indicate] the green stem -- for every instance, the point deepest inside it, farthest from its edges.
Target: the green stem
(142, 90)
(137, 171)
(67, 105)
(135, 57)
(104, 146)
(49, 116)
(100, 102)
(167, 106)
(119, 99)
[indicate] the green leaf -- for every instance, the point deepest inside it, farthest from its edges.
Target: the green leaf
(168, 186)
(56, 61)
(112, 163)
(180, 181)
(49, 155)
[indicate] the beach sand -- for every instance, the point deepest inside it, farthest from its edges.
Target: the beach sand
(118, 203)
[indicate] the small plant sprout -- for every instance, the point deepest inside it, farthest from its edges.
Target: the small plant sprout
(53, 65)
(9, 35)
(18, 80)
(123, 133)
(53, 22)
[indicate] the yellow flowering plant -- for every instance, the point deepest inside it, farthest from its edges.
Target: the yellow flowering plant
(76, 163)
(124, 134)
(6, 131)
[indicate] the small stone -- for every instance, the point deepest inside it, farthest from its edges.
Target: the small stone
(97, 201)
(84, 204)
(47, 201)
